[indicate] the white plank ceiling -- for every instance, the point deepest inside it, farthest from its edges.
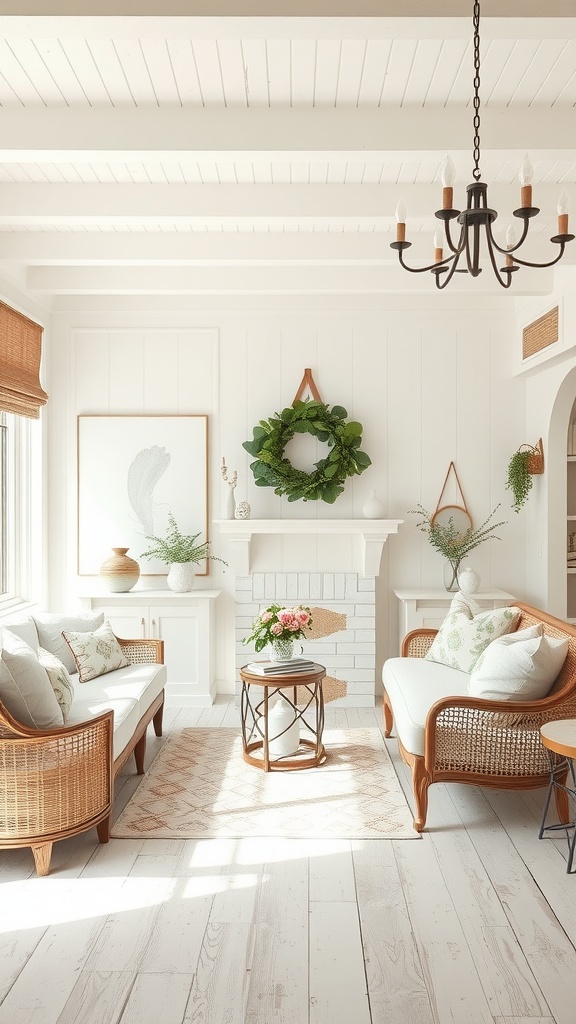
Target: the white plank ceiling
(243, 144)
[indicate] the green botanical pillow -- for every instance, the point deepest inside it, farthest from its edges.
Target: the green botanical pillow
(95, 653)
(467, 631)
(59, 680)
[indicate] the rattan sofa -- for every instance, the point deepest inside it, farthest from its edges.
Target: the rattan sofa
(59, 782)
(481, 742)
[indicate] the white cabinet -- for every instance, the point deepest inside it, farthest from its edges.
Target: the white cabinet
(420, 608)
(185, 622)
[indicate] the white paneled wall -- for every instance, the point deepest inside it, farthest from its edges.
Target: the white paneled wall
(430, 384)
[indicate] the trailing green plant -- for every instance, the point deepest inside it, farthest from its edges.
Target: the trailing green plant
(179, 547)
(272, 469)
(519, 479)
(452, 542)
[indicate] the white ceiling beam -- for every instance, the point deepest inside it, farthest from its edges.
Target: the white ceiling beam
(399, 19)
(344, 280)
(70, 204)
(189, 248)
(180, 133)
(221, 249)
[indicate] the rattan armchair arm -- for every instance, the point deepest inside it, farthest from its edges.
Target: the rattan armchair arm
(53, 783)
(492, 737)
(418, 642)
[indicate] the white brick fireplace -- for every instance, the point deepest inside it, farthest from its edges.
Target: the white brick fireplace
(332, 564)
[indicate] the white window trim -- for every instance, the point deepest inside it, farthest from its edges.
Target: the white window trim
(24, 515)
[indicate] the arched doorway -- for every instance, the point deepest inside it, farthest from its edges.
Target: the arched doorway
(556, 466)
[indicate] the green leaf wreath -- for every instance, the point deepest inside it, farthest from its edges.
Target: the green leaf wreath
(325, 483)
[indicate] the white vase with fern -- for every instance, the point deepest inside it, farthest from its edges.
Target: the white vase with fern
(182, 554)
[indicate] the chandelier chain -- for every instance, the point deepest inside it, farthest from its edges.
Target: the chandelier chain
(476, 122)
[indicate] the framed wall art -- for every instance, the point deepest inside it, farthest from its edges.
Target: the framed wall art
(133, 471)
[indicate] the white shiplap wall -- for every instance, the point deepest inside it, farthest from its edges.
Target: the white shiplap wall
(429, 385)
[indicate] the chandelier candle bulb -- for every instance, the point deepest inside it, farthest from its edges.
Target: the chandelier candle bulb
(438, 245)
(510, 242)
(525, 176)
(563, 214)
(401, 221)
(448, 175)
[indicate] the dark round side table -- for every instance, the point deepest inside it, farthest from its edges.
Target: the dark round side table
(302, 692)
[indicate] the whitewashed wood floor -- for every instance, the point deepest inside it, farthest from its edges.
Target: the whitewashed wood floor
(474, 924)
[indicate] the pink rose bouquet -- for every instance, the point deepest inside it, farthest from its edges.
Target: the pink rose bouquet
(278, 623)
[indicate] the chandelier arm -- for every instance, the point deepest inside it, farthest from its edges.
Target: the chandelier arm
(456, 249)
(449, 275)
(472, 262)
(497, 273)
(541, 266)
(508, 250)
(423, 270)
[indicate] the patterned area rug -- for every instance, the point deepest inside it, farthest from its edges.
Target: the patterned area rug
(198, 787)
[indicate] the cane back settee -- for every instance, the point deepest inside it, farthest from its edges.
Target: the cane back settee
(58, 782)
(483, 742)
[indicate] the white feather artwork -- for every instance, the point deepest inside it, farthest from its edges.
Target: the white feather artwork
(144, 473)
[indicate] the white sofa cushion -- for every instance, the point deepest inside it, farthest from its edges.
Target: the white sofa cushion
(520, 666)
(129, 692)
(25, 689)
(467, 631)
(95, 653)
(24, 627)
(50, 626)
(126, 717)
(413, 685)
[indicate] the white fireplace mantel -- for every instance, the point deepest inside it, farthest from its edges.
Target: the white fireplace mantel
(374, 534)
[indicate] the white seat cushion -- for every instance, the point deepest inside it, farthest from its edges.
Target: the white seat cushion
(126, 717)
(128, 691)
(413, 685)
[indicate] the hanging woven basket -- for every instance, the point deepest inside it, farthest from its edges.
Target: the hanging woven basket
(535, 461)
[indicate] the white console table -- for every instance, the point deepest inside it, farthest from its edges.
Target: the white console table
(420, 608)
(184, 621)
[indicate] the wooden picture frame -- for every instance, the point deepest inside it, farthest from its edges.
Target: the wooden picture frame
(133, 471)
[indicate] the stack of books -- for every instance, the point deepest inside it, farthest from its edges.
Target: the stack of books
(281, 668)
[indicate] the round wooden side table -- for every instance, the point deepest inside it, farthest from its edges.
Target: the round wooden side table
(559, 738)
(302, 692)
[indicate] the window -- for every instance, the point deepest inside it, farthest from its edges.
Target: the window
(20, 510)
(3, 503)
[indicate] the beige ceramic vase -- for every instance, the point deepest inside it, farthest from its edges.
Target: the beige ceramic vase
(119, 573)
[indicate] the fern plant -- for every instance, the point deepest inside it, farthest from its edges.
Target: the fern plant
(179, 547)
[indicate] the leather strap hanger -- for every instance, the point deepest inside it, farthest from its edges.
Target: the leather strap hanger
(307, 382)
(452, 504)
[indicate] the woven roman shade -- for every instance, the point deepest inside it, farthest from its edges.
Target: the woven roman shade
(20, 351)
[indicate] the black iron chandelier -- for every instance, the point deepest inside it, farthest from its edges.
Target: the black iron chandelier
(478, 215)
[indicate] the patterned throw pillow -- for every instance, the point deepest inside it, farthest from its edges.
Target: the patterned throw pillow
(95, 653)
(467, 631)
(59, 679)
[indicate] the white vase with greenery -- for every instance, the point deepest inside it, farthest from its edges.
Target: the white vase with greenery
(181, 553)
(452, 542)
